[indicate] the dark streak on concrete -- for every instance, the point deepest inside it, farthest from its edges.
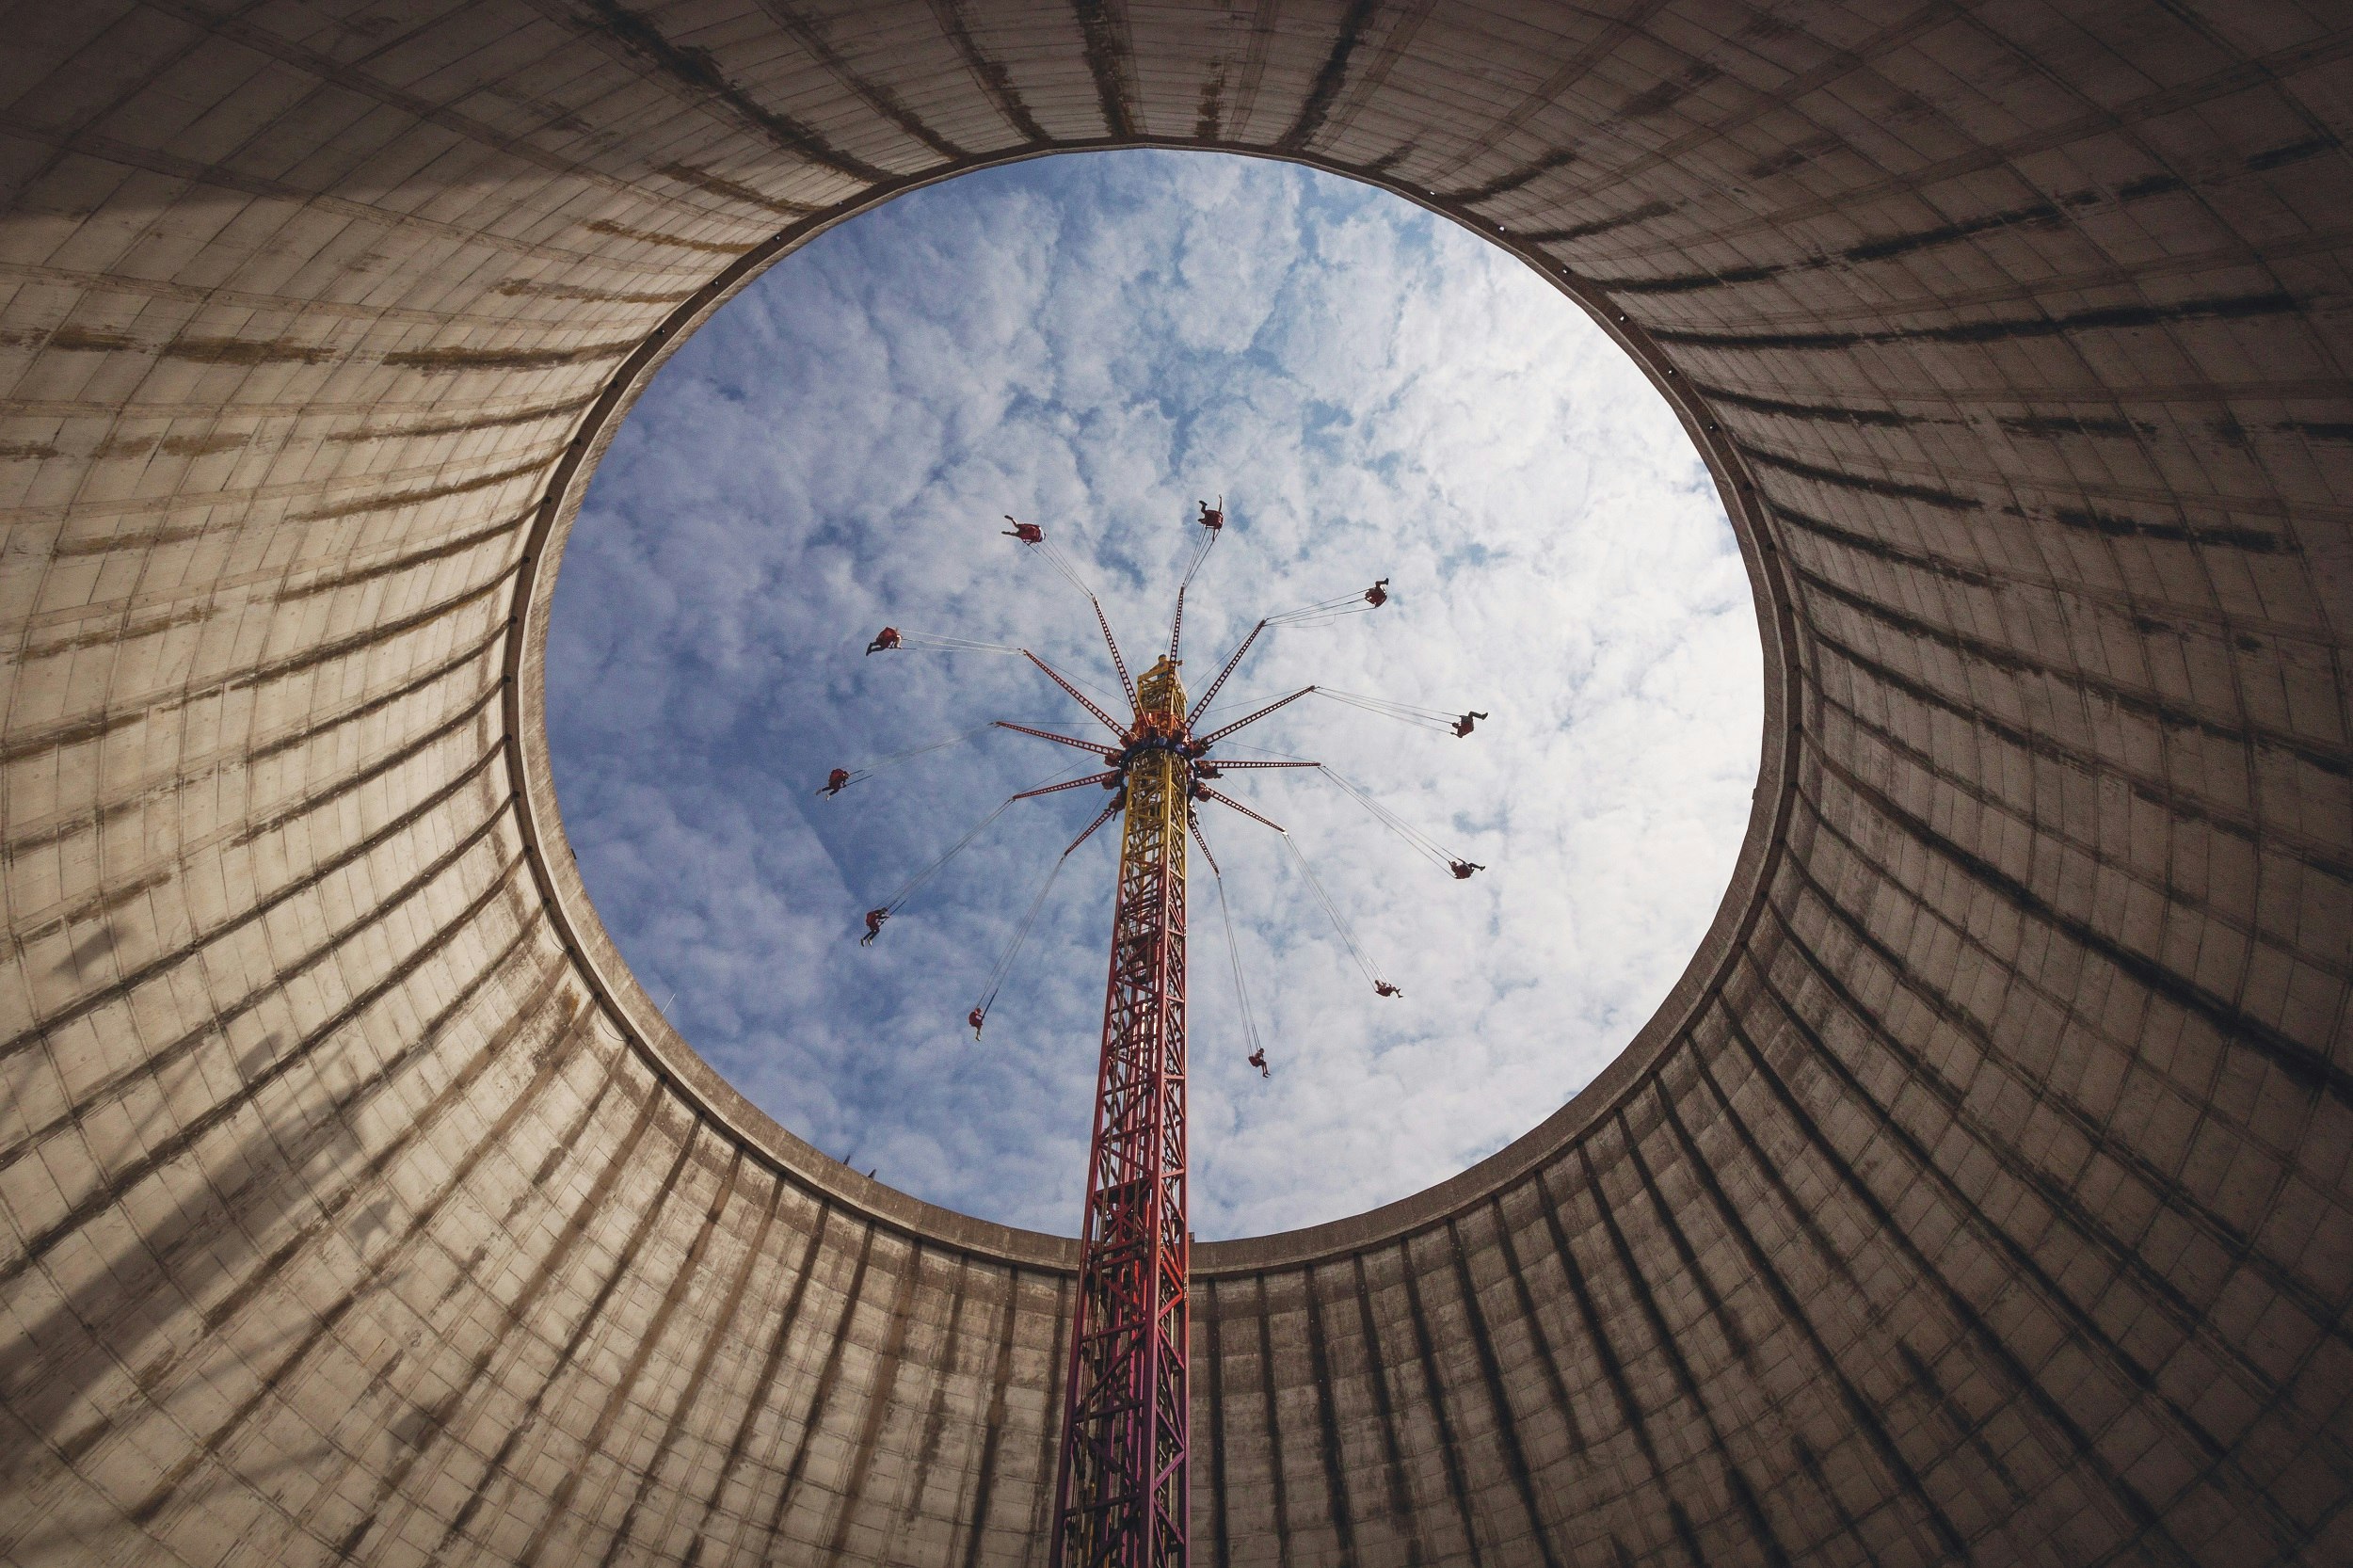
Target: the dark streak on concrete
(1324, 91)
(1400, 1495)
(447, 550)
(165, 963)
(1503, 184)
(1880, 550)
(1662, 96)
(444, 361)
(1433, 1390)
(992, 1427)
(872, 93)
(248, 351)
(625, 1259)
(1891, 489)
(1275, 1451)
(1507, 1421)
(828, 1377)
(2309, 1067)
(1211, 104)
(1887, 419)
(1862, 1414)
(619, 1395)
(880, 1402)
(1642, 214)
(2107, 318)
(1546, 1357)
(696, 69)
(763, 1383)
(2131, 699)
(687, 1405)
(1100, 34)
(1671, 1349)
(2251, 539)
(2054, 426)
(1338, 1508)
(468, 424)
(994, 78)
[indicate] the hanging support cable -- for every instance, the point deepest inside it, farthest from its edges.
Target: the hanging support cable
(1233, 948)
(858, 775)
(1407, 713)
(1420, 842)
(893, 903)
(1348, 937)
(928, 642)
(1022, 933)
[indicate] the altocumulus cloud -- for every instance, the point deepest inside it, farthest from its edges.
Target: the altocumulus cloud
(1091, 343)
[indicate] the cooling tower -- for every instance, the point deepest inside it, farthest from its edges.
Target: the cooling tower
(1979, 1195)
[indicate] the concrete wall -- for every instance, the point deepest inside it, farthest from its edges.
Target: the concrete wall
(1981, 1195)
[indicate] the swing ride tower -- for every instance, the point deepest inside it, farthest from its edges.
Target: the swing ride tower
(1121, 1490)
(1120, 1494)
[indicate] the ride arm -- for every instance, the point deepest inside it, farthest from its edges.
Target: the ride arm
(1113, 643)
(1229, 767)
(1069, 784)
(1216, 735)
(1195, 823)
(1224, 799)
(1083, 700)
(1102, 817)
(1067, 740)
(1207, 697)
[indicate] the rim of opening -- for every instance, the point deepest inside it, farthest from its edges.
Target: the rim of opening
(628, 1008)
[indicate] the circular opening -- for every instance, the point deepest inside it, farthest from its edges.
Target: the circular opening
(1093, 344)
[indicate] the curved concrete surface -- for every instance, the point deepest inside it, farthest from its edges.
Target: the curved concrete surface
(1982, 1196)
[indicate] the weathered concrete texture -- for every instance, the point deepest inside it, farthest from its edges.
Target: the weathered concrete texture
(1981, 1196)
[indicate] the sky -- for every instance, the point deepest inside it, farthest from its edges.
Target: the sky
(1093, 344)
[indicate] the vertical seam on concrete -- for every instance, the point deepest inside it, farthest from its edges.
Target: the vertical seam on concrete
(1434, 1387)
(755, 1397)
(879, 1402)
(828, 1375)
(993, 1424)
(495, 1471)
(1507, 1421)
(1760, 1528)
(1273, 1427)
(1545, 1356)
(1793, 1312)
(1336, 1502)
(681, 1281)
(722, 1322)
(2143, 1516)
(1402, 1505)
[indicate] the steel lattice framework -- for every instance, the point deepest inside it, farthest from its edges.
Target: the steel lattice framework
(1121, 1494)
